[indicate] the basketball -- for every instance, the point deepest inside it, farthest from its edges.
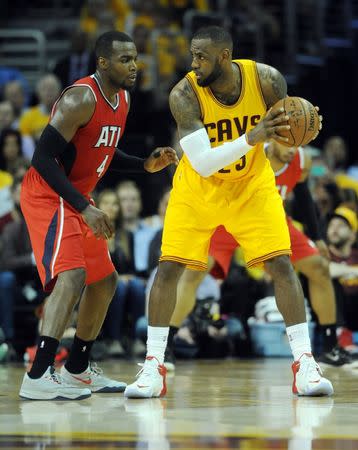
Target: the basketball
(303, 120)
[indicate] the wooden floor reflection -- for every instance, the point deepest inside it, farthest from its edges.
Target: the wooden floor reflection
(210, 405)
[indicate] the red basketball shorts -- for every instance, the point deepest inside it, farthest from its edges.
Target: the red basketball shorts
(223, 245)
(60, 238)
(301, 245)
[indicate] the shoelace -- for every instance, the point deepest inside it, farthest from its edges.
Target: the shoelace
(143, 372)
(54, 376)
(310, 369)
(95, 370)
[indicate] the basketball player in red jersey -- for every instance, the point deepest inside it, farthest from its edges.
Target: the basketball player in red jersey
(310, 255)
(68, 233)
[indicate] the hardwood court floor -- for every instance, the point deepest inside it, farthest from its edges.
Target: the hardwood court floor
(210, 404)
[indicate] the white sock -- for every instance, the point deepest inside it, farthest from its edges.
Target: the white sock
(299, 339)
(157, 342)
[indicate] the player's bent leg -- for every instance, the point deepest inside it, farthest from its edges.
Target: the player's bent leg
(186, 295)
(288, 290)
(42, 383)
(78, 371)
(322, 296)
(94, 304)
(150, 380)
(308, 379)
(61, 302)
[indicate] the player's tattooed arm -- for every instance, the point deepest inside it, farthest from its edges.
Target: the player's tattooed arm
(185, 108)
(273, 84)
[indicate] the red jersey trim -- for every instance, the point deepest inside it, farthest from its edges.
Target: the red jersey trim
(302, 157)
(282, 170)
(103, 95)
(67, 89)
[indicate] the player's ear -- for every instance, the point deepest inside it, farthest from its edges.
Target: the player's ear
(102, 63)
(225, 55)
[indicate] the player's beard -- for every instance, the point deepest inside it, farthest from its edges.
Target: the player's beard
(215, 74)
(122, 85)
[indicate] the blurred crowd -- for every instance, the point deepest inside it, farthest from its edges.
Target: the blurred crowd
(136, 205)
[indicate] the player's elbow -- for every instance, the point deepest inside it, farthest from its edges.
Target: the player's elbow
(200, 168)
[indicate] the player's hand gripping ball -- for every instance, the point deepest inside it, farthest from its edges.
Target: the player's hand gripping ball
(304, 120)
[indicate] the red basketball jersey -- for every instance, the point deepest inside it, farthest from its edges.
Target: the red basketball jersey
(288, 176)
(89, 153)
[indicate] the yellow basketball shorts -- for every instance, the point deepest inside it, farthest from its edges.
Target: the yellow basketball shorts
(250, 209)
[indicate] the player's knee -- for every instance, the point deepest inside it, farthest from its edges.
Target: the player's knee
(73, 280)
(169, 272)
(112, 281)
(279, 266)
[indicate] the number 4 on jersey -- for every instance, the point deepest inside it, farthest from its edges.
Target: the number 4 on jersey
(102, 166)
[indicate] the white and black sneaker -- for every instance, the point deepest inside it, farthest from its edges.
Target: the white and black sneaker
(51, 386)
(337, 357)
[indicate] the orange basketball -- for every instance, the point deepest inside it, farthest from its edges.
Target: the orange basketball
(303, 120)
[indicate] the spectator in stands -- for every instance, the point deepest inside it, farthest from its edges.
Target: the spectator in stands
(6, 202)
(14, 92)
(108, 201)
(8, 120)
(8, 74)
(131, 205)
(341, 236)
(128, 302)
(18, 274)
(34, 120)
(7, 115)
(145, 62)
(336, 154)
(177, 8)
(350, 199)
(327, 196)
(78, 63)
(93, 10)
(10, 150)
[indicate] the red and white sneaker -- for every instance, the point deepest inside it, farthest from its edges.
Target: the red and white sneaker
(150, 381)
(93, 379)
(308, 379)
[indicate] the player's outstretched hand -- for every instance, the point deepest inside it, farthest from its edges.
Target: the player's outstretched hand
(98, 221)
(160, 158)
(269, 127)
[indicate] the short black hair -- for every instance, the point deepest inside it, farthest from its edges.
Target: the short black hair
(218, 35)
(104, 43)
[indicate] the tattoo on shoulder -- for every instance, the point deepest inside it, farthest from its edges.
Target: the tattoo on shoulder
(273, 84)
(184, 105)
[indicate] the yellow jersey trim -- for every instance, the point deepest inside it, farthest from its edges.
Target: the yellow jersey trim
(193, 86)
(243, 82)
(261, 259)
(259, 87)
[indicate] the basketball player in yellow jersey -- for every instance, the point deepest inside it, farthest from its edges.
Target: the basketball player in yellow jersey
(225, 179)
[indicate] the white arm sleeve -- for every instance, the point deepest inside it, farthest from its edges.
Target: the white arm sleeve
(206, 160)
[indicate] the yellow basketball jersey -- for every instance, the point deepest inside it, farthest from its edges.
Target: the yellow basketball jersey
(225, 123)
